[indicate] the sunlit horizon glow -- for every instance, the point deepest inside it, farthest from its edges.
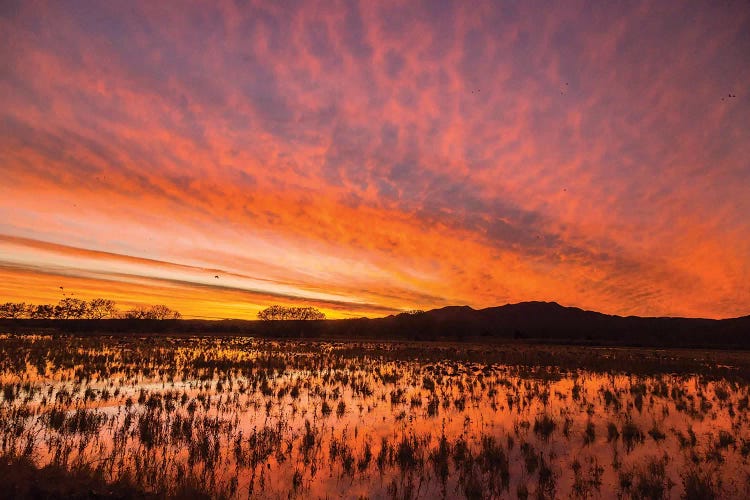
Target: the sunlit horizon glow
(367, 158)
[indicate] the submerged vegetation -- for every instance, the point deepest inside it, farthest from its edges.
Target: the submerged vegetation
(239, 417)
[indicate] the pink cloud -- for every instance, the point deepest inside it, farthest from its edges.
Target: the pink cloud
(426, 154)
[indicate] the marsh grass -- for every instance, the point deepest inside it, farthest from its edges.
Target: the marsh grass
(232, 418)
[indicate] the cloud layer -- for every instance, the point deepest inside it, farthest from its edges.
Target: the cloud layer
(376, 156)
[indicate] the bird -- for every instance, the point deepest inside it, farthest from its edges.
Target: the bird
(217, 277)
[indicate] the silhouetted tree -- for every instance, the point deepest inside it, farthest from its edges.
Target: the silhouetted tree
(42, 311)
(13, 310)
(70, 308)
(152, 312)
(135, 313)
(277, 312)
(101, 308)
(272, 313)
(163, 312)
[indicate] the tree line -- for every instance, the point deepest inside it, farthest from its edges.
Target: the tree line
(276, 312)
(71, 308)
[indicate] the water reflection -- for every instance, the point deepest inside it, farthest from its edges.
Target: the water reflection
(243, 417)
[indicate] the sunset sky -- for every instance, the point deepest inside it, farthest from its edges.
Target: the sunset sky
(371, 157)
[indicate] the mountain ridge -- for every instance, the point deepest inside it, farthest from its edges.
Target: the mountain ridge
(533, 321)
(551, 320)
(557, 305)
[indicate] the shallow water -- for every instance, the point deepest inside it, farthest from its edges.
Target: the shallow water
(243, 417)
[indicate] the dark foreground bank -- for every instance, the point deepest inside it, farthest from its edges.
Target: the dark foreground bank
(22, 479)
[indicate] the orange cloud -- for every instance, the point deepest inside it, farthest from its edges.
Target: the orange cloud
(375, 157)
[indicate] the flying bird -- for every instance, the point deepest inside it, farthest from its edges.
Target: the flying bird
(216, 277)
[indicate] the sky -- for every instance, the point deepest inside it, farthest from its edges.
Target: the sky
(373, 157)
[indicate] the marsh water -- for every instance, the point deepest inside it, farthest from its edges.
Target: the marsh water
(242, 417)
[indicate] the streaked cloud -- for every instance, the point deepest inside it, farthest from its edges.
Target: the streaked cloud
(369, 157)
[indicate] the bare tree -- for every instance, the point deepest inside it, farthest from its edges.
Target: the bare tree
(277, 312)
(152, 312)
(309, 313)
(101, 308)
(273, 312)
(161, 311)
(139, 312)
(42, 311)
(70, 308)
(13, 310)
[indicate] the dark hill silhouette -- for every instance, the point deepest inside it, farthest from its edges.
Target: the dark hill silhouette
(525, 321)
(551, 321)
